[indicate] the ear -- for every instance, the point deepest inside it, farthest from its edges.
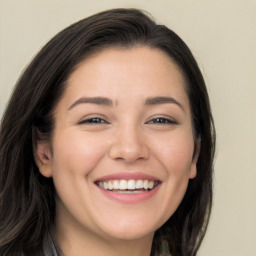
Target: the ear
(193, 169)
(43, 158)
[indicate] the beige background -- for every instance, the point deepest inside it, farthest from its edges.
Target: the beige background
(222, 36)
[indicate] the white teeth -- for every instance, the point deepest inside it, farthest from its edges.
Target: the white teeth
(127, 184)
(150, 184)
(145, 184)
(105, 185)
(131, 184)
(116, 184)
(123, 185)
(139, 184)
(110, 186)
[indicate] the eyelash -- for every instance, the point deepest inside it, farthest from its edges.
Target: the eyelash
(94, 120)
(158, 121)
(162, 120)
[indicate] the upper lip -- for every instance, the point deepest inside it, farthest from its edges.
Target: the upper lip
(127, 176)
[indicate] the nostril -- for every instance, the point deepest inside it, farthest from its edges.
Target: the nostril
(129, 152)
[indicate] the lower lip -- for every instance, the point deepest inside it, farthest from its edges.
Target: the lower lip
(130, 198)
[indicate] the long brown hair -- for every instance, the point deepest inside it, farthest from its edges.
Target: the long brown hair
(27, 200)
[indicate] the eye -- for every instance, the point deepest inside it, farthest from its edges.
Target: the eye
(94, 120)
(162, 120)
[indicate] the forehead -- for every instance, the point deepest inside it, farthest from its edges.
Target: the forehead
(138, 56)
(117, 72)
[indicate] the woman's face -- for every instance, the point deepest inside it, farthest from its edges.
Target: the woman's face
(122, 149)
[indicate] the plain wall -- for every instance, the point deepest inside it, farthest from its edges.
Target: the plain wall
(222, 36)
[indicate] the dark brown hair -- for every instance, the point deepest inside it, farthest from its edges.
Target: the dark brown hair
(27, 204)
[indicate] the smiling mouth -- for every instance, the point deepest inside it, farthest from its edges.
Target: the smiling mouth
(128, 186)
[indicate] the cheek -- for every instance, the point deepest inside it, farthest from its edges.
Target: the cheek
(176, 152)
(77, 153)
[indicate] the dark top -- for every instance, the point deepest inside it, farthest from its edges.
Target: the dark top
(50, 247)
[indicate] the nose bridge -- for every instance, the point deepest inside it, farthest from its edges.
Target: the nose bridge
(129, 143)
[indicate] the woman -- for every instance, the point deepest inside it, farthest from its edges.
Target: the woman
(107, 144)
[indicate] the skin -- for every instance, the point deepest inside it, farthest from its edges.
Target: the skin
(129, 138)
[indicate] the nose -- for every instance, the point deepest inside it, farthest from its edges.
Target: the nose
(129, 145)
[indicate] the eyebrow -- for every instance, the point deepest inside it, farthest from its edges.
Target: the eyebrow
(163, 100)
(93, 100)
(103, 101)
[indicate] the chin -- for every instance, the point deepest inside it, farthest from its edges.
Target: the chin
(126, 230)
(131, 234)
